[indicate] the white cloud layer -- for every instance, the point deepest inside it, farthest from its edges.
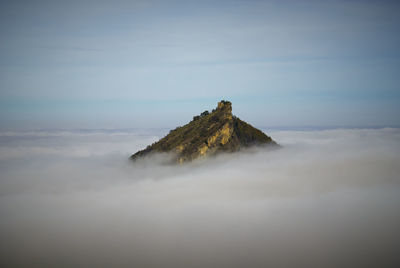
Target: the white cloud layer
(326, 199)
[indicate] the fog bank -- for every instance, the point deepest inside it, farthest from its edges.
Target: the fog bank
(328, 198)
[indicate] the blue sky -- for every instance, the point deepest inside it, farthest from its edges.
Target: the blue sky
(127, 64)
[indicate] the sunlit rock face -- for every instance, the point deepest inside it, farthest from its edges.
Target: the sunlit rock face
(208, 134)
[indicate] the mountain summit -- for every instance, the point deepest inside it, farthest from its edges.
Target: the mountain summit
(208, 134)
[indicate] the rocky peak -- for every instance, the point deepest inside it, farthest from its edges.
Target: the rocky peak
(223, 110)
(225, 106)
(208, 134)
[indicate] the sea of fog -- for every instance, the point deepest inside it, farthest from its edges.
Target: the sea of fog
(327, 198)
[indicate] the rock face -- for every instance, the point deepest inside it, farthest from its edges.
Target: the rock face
(208, 134)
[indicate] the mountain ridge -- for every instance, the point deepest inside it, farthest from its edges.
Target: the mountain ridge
(208, 134)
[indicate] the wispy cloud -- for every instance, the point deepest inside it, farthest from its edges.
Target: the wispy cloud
(70, 48)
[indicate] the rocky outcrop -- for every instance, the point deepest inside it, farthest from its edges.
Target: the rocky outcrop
(208, 134)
